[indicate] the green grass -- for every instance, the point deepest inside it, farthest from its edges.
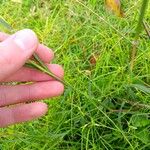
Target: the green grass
(103, 112)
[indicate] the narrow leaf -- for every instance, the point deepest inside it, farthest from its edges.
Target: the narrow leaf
(34, 65)
(147, 28)
(141, 17)
(137, 33)
(5, 24)
(142, 88)
(36, 57)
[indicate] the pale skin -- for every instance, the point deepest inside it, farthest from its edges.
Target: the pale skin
(15, 50)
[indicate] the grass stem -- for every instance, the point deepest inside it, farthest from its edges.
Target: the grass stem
(137, 33)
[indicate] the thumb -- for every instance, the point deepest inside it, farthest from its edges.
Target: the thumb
(15, 51)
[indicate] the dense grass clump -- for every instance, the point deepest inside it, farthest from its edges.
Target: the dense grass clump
(106, 108)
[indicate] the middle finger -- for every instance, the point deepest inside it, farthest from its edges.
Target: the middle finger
(31, 92)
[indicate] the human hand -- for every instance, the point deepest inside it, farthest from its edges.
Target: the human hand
(15, 50)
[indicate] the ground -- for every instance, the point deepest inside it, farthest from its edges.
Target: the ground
(101, 109)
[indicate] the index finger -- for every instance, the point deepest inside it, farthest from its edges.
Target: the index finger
(45, 53)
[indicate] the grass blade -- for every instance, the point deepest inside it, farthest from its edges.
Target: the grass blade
(5, 24)
(141, 17)
(33, 64)
(142, 88)
(45, 68)
(40, 62)
(137, 33)
(147, 28)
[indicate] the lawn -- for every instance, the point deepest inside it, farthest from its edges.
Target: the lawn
(106, 106)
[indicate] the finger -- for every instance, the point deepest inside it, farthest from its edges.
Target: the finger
(21, 113)
(45, 53)
(33, 75)
(15, 50)
(31, 92)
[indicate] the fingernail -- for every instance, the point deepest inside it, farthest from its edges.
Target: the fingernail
(26, 39)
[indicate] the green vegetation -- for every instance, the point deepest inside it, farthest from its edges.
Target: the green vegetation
(110, 107)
